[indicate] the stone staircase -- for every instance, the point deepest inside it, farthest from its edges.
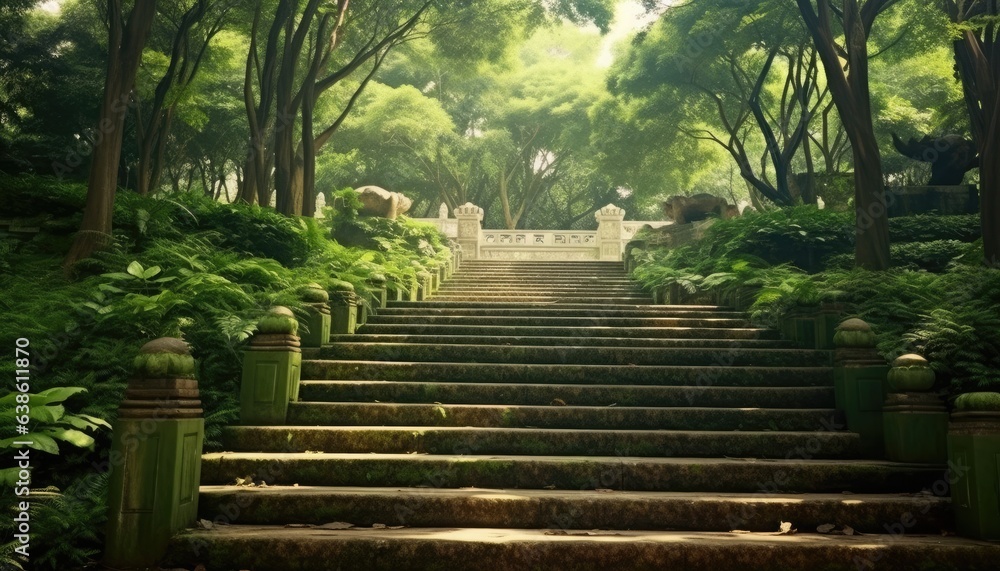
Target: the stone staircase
(547, 416)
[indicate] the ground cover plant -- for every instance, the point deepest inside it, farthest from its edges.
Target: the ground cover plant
(185, 267)
(938, 299)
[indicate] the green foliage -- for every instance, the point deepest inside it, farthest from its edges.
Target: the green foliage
(49, 424)
(930, 227)
(197, 270)
(938, 301)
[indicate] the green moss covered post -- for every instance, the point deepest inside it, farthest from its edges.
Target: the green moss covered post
(859, 383)
(343, 307)
(272, 369)
(379, 285)
(155, 456)
(318, 322)
(424, 285)
(974, 455)
(915, 421)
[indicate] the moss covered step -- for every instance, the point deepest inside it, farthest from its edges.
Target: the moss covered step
(595, 289)
(500, 295)
(537, 441)
(434, 303)
(576, 322)
(541, 281)
(717, 475)
(275, 548)
(432, 352)
(719, 376)
(580, 509)
(500, 331)
(723, 344)
(516, 416)
(578, 395)
(649, 311)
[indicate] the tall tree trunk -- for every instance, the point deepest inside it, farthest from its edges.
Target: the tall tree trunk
(976, 53)
(125, 45)
(852, 96)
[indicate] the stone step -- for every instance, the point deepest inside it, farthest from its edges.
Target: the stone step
(588, 291)
(558, 298)
(437, 304)
(576, 322)
(651, 311)
(723, 344)
(577, 395)
(593, 417)
(538, 441)
(433, 352)
(275, 548)
(716, 475)
(460, 279)
(575, 509)
(716, 333)
(722, 376)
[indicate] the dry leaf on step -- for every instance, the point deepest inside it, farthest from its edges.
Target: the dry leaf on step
(786, 528)
(336, 525)
(739, 531)
(825, 528)
(378, 526)
(848, 530)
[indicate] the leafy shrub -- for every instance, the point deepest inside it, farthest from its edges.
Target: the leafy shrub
(250, 230)
(932, 227)
(948, 313)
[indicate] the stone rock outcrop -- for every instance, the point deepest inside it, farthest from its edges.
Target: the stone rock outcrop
(381, 202)
(686, 209)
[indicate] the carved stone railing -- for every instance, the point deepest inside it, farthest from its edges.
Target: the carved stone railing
(607, 243)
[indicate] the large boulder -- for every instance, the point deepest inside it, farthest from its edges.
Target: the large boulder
(686, 209)
(377, 201)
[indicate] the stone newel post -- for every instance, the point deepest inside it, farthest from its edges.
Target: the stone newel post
(155, 456)
(609, 232)
(271, 369)
(859, 374)
(318, 305)
(974, 461)
(470, 229)
(915, 421)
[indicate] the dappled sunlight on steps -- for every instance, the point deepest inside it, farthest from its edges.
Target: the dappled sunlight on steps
(529, 404)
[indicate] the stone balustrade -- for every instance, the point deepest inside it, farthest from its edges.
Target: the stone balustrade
(607, 243)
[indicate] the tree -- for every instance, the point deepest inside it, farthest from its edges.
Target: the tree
(193, 28)
(709, 69)
(126, 39)
(852, 96)
(977, 51)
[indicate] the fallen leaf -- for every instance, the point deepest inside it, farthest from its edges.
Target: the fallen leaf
(396, 527)
(336, 525)
(299, 525)
(205, 524)
(825, 528)
(550, 487)
(786, 528)
(848, 530)
(604, 490)
(378, 526)
(555, 532)
(739, 531)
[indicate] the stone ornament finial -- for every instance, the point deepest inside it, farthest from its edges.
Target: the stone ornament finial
(610, 211)
(278, 321)
(166, 357)
(854, 333)
(911, 373)
(443, 211)
(469, 209)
